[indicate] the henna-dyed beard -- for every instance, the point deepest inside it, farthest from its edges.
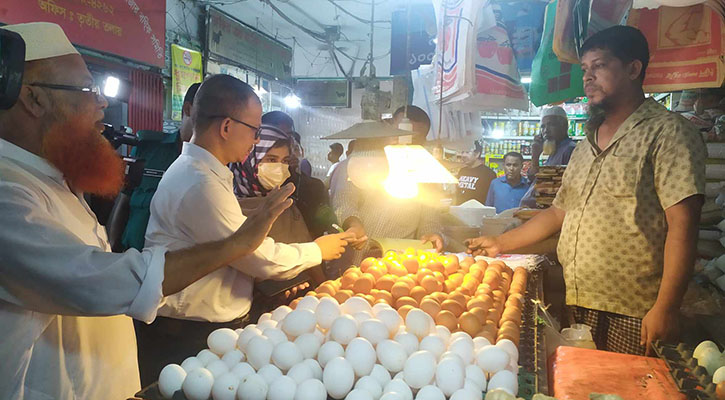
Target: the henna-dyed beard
(87, 160)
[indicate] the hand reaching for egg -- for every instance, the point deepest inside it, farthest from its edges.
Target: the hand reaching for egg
(659, 324)
(483, 246)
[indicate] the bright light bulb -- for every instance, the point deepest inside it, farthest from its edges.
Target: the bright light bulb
(292, 101)
(110, 88)
(400, 187)
(525, 79)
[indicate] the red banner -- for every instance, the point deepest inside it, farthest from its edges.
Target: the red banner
(133, 29)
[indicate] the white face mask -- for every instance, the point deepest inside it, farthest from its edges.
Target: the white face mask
(272, 175)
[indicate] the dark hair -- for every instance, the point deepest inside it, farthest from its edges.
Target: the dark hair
(337, 148)
(477, 147)
(277, 119)
(513, 154)
(282, 143)
(191, 92)
(220, 95)
(624, 42)
(414, 114)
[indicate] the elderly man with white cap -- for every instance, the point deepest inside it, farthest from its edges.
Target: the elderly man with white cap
(65, 299)
(554, 133)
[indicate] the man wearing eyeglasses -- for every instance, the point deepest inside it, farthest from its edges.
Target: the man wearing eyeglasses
(195, 203)
(65, 299)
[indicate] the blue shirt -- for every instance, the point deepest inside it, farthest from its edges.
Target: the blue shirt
(504, 196)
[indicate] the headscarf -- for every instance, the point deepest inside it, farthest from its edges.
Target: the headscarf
(246, 181)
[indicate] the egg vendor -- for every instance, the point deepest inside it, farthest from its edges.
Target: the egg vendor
(629, 205)
(66, 301)
(195, 203)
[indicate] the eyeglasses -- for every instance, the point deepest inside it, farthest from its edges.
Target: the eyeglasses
(257, 129)
(95, 89)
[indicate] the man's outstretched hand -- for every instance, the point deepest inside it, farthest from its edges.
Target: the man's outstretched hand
(255, 229)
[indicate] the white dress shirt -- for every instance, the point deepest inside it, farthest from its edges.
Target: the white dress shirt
(63, 334)
(195, 203)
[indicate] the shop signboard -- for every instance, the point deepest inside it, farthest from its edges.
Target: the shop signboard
(334, 92)
(133, 29)
(185, 71)
(231, 41)
(686, 45)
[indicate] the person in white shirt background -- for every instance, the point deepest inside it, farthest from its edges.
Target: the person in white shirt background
(65, 299)
(195, 203)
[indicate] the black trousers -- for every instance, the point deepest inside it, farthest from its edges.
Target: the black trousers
(170, 340)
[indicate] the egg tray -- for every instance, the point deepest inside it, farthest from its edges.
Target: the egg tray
(532, 365)
(692, 379)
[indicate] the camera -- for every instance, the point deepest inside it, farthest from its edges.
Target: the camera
(12, 64)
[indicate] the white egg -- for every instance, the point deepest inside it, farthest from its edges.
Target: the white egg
(239, 331)
(275, 335)
(464, 348)
(222, 341)
(401, 329)
(311, 389)
(443, 333)
(300, 372)
(242, 369)
(269, 372)
(217, 368)
(361, 355)
(399, 376)
(298, 322)
(170, 379)
(717, 377)
(392, 355)
(326, 312)
(280, 312)
(197, 385)
(328, 351)
(513, 367)
(710, 360)
(191, 363)
(225, 387)
(374, 331)
(259, 351)
(206, 356)
(381, 374)
(471, 385)
(450, 376)
(252, 387)
(338, 377)
(285, 355)
(232, 358)
(309, 344)
(361, 316)
(509, 347)
(430, 392)
(370, 385)
(314, 367)
(283, 388)
(476, 374)
(466, 394)
(492, 359)
(707, 344)
(480, 342)
(270, 323)
(377, 307)
(460, 334)
(450, 354)
(391, 319)
(247, 334)
(308, 303)
(356, 304)
(344, 329)
(417, 323)
(400, 387)
(504, 380)
(317, 332)
(500, 394)
(434, 344)
(409, 342)
(264, 317)
(358, 394)
(419, 369)
(392, 396)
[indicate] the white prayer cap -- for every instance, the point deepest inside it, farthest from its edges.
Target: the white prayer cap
(556, 110)
(43, 40)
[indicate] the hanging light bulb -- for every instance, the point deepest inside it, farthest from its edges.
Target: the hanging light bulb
(292, 101)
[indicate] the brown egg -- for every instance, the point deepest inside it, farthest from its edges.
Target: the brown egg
(450, 264)
(476, 273)
(518, 297)
(326, 288)
(484, 302)
(452, 306)
(422, 273)
(321, 295)
(430, 284)
(511, 314)
(467, 262)
(348, 280)
(367, 263)
(512, 303)
(385, 282)
(447, 319)
(436, 266)
(494, 314)
(342, 296)
(417, 293)
(336, 284)
(376, 272)
(498, 296)
(430, 306)
(400, 289)
(469, 323)
(492, 281)
(480, 313)
(449, 286)
(411, 265)
(403, 311)
(458, 297)
(311, 293)
(440, 297)
(720, 391)
(396, 268)
(411, 282)
(406, 301)
(456, 278)
(364, 284)
(439, 277)
(293, 303)
(369, 298)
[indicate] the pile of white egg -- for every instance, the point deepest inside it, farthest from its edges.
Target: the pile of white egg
(351, 351)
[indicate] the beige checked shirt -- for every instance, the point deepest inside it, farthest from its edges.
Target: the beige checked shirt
(613, 236)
